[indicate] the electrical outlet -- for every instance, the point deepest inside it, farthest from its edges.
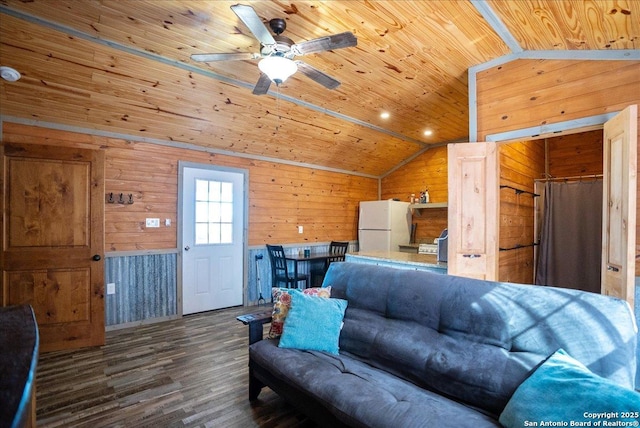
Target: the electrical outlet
(300, 229)
(153, 222)
(111, 288)
(167, 222)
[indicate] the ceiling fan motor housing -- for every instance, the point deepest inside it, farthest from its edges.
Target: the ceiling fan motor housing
(278, 25)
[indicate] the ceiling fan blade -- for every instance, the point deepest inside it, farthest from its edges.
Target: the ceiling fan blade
(251, 19)
(224, 56)
(262, 87)
(337, 41)
(317, 75)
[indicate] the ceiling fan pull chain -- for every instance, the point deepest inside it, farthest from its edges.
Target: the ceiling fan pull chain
(278, 108)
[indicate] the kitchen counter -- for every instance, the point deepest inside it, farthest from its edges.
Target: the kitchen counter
(399, 259)
(409, 248)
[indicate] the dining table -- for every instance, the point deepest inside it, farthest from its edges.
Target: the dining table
(313, 257)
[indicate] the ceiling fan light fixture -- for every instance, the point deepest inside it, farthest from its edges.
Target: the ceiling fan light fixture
(277, 68)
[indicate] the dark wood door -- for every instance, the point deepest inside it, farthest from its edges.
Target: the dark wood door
(53, 240)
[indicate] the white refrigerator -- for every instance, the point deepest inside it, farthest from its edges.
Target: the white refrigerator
(383, 225)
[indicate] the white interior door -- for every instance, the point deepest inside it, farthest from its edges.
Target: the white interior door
(619, 205)
(213, 241)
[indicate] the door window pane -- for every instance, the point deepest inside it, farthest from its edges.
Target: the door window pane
(214, 233)
(202, 190)
(214, 190)
(202, 233)
(214, 212)
(226, 212)
(202, 212)
(226, 192)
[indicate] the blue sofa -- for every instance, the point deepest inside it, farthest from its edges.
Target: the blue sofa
(419, 349)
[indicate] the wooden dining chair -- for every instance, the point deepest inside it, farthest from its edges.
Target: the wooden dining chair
(338, 250)
(280, 271)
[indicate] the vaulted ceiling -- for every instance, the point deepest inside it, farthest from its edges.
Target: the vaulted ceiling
(123, 68)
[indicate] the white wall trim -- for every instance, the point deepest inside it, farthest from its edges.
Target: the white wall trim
(553, 129)
(496, 23)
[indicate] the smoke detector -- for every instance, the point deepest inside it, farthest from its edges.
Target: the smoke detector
(9, 74)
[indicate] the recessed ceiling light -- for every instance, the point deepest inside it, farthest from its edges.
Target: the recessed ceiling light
(428, 132)
(384, 115)
(9, 74)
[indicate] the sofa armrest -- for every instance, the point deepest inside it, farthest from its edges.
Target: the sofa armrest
(255, 321)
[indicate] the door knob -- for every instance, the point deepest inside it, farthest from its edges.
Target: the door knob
(96, 258)
(187, 248)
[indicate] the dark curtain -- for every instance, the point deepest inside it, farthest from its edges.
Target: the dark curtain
(570, 251)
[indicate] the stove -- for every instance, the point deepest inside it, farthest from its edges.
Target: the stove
(428, 249)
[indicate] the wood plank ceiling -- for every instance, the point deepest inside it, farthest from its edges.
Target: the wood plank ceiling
(124, 67)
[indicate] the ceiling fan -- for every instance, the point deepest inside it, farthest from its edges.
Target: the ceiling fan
(277, 52)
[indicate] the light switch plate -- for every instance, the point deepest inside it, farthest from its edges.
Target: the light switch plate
(111, 288)
(300, 229)
(153, 222)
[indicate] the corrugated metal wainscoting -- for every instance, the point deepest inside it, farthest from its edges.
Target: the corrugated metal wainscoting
(146, 284)
(146, 287)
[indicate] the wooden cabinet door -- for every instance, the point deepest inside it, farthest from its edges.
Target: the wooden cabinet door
(619, 205)
(52, 242)
(473, 170)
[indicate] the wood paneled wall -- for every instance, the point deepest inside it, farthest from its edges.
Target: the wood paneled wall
(281, 196)
(529, 93)
(429, 170)
(576, 154)
(520, 164)
(526, 93)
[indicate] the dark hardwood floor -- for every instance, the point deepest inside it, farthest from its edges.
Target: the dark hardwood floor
(190, 372)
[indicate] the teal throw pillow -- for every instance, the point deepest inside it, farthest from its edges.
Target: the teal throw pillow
(562, 391)
(313, 324)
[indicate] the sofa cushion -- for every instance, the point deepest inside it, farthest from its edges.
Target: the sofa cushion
(480, 374)
(577, 394)
(474, 340)
(282, 301)
(313, 324)
(372, 397)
